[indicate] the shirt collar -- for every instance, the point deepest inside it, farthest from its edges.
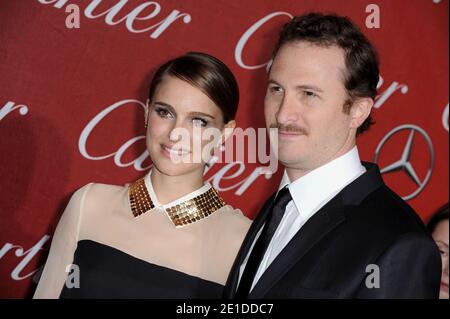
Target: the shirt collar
(321, 184)
(184, 211)
(154, 198)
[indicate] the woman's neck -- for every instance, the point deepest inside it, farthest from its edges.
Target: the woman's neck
(169, 188)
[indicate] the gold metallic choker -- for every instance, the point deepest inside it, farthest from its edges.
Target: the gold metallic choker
(182, 214)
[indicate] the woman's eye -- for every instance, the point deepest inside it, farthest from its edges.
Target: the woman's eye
(199, 122)
(162, 112)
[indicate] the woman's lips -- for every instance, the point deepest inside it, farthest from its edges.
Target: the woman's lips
(444, 286)
(169, 151)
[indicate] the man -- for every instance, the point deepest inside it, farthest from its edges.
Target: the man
(334, 229)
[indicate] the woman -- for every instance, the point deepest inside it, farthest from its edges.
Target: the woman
(438, 227)
(167, 235)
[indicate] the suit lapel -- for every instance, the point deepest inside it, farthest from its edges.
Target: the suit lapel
(317, 227)
(258, 222)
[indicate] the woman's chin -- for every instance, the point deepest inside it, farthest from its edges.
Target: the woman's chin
(169, 168)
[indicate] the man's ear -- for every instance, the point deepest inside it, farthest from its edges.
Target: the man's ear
(360, 111)
(228, 130)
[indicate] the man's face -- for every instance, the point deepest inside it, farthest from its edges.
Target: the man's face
(304, 99)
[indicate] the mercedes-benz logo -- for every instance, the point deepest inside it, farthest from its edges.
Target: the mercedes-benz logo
(404, 162)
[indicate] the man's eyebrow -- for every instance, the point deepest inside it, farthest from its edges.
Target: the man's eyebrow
(299, 87)
(309, 87)
(272, 81)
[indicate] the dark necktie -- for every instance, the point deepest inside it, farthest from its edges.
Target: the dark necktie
(257, 254)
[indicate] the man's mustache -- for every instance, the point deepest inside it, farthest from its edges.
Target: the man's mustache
(289, 128)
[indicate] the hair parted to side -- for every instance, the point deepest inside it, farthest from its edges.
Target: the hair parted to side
(361, 59)
(208, 74)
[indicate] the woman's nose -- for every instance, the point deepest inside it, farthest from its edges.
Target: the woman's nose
(174, 135)
(179, 133)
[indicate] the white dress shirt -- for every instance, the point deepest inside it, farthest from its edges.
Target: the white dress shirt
(309, 193)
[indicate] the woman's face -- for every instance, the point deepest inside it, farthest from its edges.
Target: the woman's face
(440, 235)
(177, 117)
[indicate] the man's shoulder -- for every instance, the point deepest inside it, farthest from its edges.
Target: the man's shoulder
(385, 211)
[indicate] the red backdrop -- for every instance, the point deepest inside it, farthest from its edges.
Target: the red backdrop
(55, 80)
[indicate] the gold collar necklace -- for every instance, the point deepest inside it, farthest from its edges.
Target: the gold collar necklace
(182, 214)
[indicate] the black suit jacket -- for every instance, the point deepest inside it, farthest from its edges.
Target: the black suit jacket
(334, 253)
